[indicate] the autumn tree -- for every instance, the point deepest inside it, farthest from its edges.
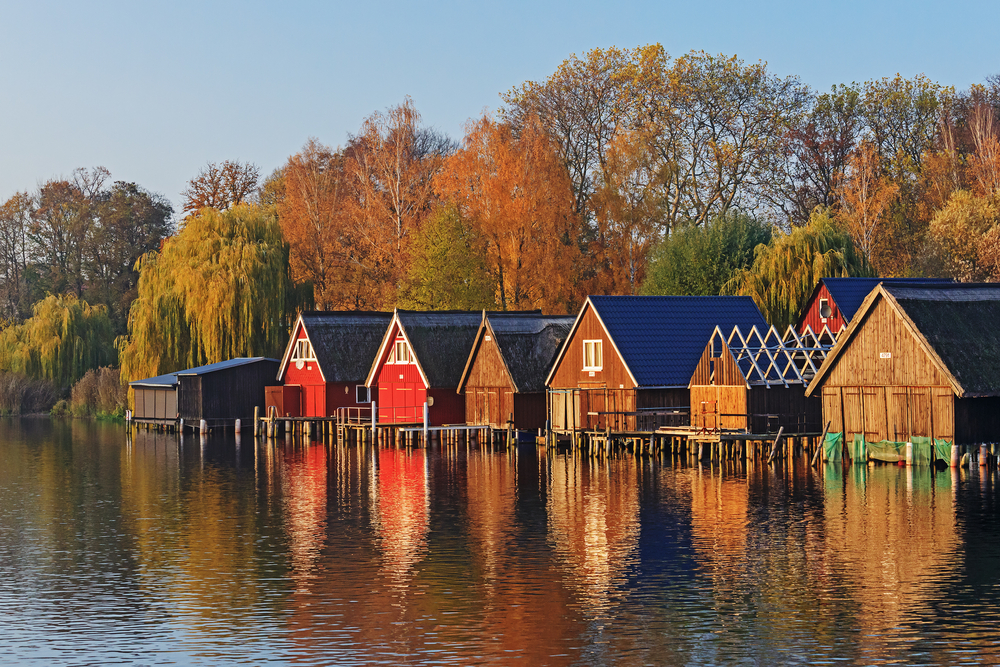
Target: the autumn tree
(984, 163)
(449, 268)
(785, 271)
(314, 218)
(514, 190)
(218, 289)
(221, 186)
(16, 257)
(699, 260)
(865, 197)
(392, 162)
(964, 234)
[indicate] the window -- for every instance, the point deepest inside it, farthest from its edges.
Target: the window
(362, 394)
(303, 351)
(593, 357)
(400, 353)
(824, 308)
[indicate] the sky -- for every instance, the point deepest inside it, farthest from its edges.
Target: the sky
(154, 91)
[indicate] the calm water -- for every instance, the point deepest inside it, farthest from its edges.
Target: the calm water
(187, 552)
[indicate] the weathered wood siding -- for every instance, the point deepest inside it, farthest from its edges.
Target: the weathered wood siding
(489, 390)
(885, 386)
(226, 394)
(717, 366)
(569, 372)
(811, 317)
(714, 407)
(159, 404)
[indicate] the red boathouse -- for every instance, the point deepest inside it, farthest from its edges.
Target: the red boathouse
(325, 363)
(421, 358)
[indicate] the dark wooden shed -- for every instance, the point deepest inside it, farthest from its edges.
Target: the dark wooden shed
(225, 391)
(917, 361)
(755, 382)
(155, 399)
(325, 364)
(504, 377)
(628, 360)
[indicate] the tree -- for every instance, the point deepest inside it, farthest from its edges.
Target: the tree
(64, 338)
(700, 260)
(218, 289)
(16, 255)
(865, 198)
(314, 218)
(392, 163)
(515, 192)
(816, 150)
(964, 234)
(448, 267)
(221, 186)
(128, 221)
(785, 272)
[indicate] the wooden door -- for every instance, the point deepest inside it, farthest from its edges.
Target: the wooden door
(853, 414)
(943, 413)
(874, 408)
(920, 411)
(833, 411)
(558, 416)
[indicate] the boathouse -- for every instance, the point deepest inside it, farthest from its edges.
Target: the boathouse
(504, 377)
(421, 359)
(755, 382)
(628, 360)
(219, 393)
(834, 301)
(326, 362)
(917, 362)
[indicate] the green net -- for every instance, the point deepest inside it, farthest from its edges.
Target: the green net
(925, 450)
(833, 446)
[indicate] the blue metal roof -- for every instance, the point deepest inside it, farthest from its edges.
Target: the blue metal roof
(848, 293)
(170, 379)
(661, 338)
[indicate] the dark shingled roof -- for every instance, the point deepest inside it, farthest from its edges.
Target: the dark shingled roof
(345, 342)
(661, 338)
(959, 322)
(529, 343)
(441, 342)
(170, 379)
(849, 293)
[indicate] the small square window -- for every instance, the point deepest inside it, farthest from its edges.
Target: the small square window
(362, 394)
(593, 355)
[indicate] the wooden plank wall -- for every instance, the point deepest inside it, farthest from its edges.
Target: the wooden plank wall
(569, 373)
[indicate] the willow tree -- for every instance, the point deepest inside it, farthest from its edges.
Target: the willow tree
(785, 271)
(64, 338)
(219, 289)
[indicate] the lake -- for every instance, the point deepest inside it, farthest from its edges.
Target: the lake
(159, 550)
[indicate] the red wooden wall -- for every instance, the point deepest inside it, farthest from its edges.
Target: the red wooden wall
(811, 316)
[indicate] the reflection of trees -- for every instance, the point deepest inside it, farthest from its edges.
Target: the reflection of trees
(593, 513)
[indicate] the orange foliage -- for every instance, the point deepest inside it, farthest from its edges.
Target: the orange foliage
(865, 197)
(515, 191)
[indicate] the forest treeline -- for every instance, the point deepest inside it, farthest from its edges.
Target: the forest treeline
(626, 171)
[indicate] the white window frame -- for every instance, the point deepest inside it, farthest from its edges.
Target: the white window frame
(303, 350)
(829, 309)
(400, 345)
(598, 359)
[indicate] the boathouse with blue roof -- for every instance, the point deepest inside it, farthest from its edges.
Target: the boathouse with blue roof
(835, 300)
(628, 360)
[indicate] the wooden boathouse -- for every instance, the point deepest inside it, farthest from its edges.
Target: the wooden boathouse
(421, 359)
(504, 377)
(834, 301)
(627, 363)
(917, 361)
(325, 364)
(219, 393)
(755, 382)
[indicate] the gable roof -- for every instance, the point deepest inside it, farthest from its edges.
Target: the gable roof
(661, 338)
(954, 323)
(528, 345)
(345, 342)
(440, 341)
(170, 379)
(849, 293)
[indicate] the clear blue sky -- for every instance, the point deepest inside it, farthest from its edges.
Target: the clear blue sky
(155, 90)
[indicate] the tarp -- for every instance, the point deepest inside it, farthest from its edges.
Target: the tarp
(833, 447)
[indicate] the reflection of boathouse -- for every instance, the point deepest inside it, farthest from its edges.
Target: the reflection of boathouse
(917, 361)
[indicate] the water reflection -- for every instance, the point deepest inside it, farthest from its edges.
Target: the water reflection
(184, 550)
